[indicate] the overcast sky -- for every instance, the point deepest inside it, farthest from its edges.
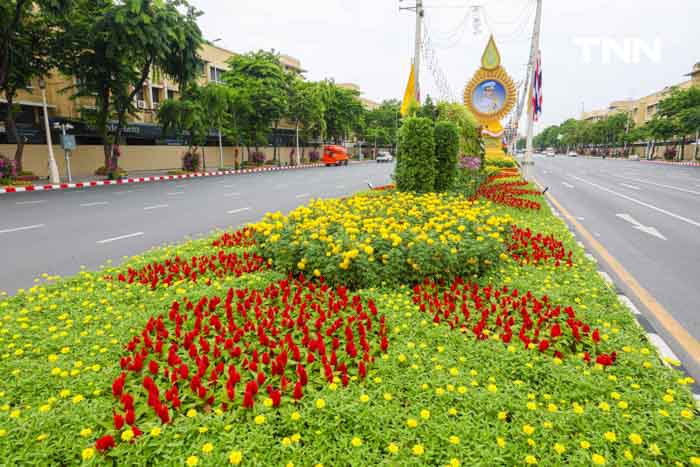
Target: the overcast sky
(370, 43)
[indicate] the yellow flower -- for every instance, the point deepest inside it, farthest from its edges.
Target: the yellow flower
(685, 413)
(454, 439)
(628, 455)
(425, 414)
(411, 423)
(528, 429)
(585, 444)
(88, 453)
(387, 396)
(532, 406)
(155, 431)
(127, 435)
(235, 457)
(356, 442)
(418, 450)
(668, 398)
(260, 419)
(501, 442)
(654, 449)
(296, 437)
(296, 415)
(85, 432)
(610, 436)
(192, 461)
(695, 460)
(392, 448)
(3, 432)
(604, 406)
(364, 398)
(454, 462)
(530, 459)
(559, 448)
(598, 459)
(320, 403)
(207, 448)
(635, 439)
(502, 415)
(192, 413)
(203, 429)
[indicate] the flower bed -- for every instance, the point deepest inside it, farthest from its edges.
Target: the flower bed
(456, 371)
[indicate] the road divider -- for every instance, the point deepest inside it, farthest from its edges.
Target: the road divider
(236, 211)
(661, 185)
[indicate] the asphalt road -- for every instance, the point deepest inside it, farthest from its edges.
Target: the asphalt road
(57, 232)
(646, 215)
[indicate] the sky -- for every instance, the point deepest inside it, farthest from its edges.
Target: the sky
(593, 51)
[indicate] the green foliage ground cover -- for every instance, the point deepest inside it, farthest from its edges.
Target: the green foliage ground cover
(437, 396)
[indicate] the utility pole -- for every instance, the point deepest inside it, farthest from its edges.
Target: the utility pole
(420, 11)
(531, 67)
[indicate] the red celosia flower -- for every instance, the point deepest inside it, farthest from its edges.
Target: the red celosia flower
(104, 443)
(544, 345)
(118, 421)
(596, 336)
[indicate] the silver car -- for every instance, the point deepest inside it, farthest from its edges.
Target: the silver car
(384, 157)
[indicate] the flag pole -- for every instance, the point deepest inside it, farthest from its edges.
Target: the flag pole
(534, 51)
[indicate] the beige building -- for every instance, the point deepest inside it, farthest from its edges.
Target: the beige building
(369, 104)
(643, 109)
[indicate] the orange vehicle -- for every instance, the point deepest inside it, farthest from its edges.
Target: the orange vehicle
(335, 155)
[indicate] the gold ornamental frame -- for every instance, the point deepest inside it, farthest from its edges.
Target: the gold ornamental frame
(499, 75)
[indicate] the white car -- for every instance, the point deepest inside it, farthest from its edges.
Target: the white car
(573, 154)
(384, 157)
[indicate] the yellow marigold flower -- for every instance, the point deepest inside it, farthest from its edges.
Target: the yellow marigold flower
(356, 442)
(502, 415)
(260, 419)
(501, 442)
(623, 405)
(604, 406)
(320, 403)
(296, 437)
(77, 399)
(88, 454)
(635, 439)
(192, 461)
(127, 435)
(454, 439)
(235, 457)
(668, 398)
(296, 415)
(192, 413)
(552, 407)
(685, 413)
(387, 396)
(3, 432)
(654, 449)
(598, 459)
(492, 388)
(695, 460)
(585, 444)
(392, 448)
(418, 450)
(530, 459)
(411, 423)
(85, 432)
(559, 448)
(610, 436)
(454, 462)
(628, 455)
(207, 448)
(155, 431)
(532, 406)
(364, 398)
(528, 429)
(425, 414)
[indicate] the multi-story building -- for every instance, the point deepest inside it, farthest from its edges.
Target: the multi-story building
(643, 109)
(369, 104)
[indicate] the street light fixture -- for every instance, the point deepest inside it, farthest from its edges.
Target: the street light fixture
(67, 148)
(53, 168)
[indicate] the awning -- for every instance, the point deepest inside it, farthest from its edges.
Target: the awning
(28, 103)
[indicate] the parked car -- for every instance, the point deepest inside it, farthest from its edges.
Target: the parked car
(550, 154)
(335, 155)
(384, 156)
(572, 154)
(633, 157)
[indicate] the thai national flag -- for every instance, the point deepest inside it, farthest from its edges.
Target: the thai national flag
(536, 103)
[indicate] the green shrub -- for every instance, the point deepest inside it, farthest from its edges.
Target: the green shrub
(446, 151)
(415, 168)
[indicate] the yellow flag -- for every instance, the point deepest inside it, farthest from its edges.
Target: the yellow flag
(409, 96)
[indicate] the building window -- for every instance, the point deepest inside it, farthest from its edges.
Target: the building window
(172, 94)
(201, 69)
(216, 74)
(155, 97)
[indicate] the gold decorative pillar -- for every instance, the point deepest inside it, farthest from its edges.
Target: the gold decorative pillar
(490, 96)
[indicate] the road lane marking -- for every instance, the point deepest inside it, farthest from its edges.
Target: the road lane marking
(229, 195)
(630, 186)
(236, 211)
(121, 237)
(303, 195)
(96, 203)
(642, 203)
(175, 193)
(685, 340)
(157, 206)
(22, 203)
(568, 185)
(122, 192)
(18, 229)
(685, 190)
(643, 228)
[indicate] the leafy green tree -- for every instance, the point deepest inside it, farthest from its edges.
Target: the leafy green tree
(466, 123)
(28, 30)
(306, 109)
(383, 123)
(112, 47)
(260, 94)
(428, 109)
(343, 111)
(415, 168)
(216, 102)
(446, 152)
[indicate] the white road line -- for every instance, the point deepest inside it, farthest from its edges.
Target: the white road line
(236, 211)
(642, 203)
(229, 195)
(628, 303)
(18, 229)
(122, 192)
(643, 228)
(568, 185)
(175, 193)
(22, 203)
(157, 206)
(630, 186)
(303, 195)
(662, 347)
(121, 237)
(685, 190)
(96, 203)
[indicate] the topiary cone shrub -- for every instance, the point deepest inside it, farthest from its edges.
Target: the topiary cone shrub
(446, 151)
(415, 167)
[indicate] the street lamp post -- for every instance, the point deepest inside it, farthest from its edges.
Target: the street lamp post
(53, 168)
(66, 151)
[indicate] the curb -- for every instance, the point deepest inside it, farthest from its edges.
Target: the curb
(683, 164)
(666, 354)
(156, 178)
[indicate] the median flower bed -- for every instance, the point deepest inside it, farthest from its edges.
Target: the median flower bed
(279, 356)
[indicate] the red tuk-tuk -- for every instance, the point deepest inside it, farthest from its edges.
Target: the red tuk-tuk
(335, 155)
